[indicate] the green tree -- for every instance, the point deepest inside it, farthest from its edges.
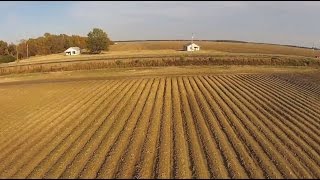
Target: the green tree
(3, 48)
(97, 40)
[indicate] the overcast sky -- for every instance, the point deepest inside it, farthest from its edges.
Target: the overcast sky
(295, 23)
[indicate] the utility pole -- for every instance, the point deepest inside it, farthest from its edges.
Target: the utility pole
(192, 39)
(17, 53)
(27, 50)
(192, 43)
(313, 50)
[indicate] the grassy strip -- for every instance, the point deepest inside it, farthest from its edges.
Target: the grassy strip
(181, 60)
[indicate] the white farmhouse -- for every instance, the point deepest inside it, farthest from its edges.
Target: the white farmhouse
(191, 47)
(71, 51)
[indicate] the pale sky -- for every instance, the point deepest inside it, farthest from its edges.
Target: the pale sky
(295, 23)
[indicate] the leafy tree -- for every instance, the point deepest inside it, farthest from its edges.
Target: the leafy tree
(12, 49)
(22, 48)
(4, 48)
(97, 40)
(46, 44)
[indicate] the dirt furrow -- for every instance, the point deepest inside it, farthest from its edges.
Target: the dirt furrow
(52, 152)
(197, 154)
(36, 122)
(309, 105)
(127, 167)
(301, 140)
(31, 106)
(36, 145)
(77, 145)
(313, 140)
(147, 163)
(291, 102)
(182, 164)
(219, 122)
(268, 131)
(255, 147)
(113, 155)
(207, 122)
(248, 117)
(165, 158)
(29, 139)
(312, 92)
(72, 162)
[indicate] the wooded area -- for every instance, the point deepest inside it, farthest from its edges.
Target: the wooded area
(43, 45)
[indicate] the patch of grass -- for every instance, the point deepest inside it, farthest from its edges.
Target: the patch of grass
(190, 60)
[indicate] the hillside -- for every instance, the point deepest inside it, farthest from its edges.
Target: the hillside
(232, 47)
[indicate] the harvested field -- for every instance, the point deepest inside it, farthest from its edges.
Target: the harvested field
(232, 47)
(200, 126)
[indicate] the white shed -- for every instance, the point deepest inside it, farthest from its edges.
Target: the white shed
(71, 51)
(191, 47)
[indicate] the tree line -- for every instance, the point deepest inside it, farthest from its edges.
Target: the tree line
(96, 41)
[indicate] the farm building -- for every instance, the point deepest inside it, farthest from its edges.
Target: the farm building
(191, 47)
(72, 51)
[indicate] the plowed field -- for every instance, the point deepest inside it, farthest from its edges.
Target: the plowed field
(204, 126)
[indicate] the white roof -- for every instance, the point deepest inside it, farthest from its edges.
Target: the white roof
(191, 44)
(72, 49)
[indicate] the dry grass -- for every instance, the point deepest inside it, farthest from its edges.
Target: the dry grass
(114, 54)
(310, 74)
(162, 60)
(216, 46)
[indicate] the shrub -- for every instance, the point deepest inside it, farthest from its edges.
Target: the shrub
(7, 59)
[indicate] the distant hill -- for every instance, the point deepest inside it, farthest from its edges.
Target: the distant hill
(232, 41)
(217, 45)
